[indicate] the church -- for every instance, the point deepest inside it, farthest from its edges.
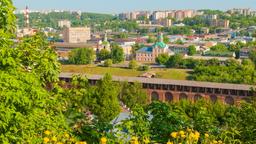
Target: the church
(149, 54)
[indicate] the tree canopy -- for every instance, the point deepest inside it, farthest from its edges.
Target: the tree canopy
(81, 56)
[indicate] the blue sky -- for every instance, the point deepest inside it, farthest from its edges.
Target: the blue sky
(116, 6)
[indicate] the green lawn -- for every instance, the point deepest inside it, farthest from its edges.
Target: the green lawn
(177, 74)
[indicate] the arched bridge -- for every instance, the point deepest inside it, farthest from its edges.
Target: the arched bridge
(175, 90)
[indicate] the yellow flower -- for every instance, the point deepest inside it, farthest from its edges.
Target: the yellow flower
(59, 143)
(72, 140)
(82, 143)
(169, 142)
(146, 141)
(197, 135)
(191, 136)
(183, 136)
(46, 140)
(103, 140)
(54, 139)
(215, 142)
(220, 141)
(189, 130)
(47, 132)
(66, 135)
(174, 134)
(206, 135)
(182, 132)
(134, 140)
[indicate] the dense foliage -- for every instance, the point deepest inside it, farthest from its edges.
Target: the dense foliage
(81, 56)
(214, 70)
(117, 53)
(27, 108)
(231, 72)
(34, 109)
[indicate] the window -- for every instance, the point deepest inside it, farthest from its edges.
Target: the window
(183, 96)
(213, 98)
(229, 100)
(197, 97)
(154, 96)
(168, 97)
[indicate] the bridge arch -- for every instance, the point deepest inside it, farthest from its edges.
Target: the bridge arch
(229, 100)
(154, 96)
(213, 98)
(197, 97)
(168, 96)
(183, 96)
(247, 99)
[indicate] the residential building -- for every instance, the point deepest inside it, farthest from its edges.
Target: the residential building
(241, 11)
(179, 15)
(159, 15)
(150, 53)
(211, 17)
(64, 23)
(26, 32)
(126, 45)
(244, 52)
(205, 30)
(219, 23)
(164, 22)
(103, 44)
(76, 34)
(181, 48)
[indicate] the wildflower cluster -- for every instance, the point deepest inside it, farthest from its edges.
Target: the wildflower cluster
(191, 136)
(50, 137)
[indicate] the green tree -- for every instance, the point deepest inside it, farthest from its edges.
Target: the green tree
(117, 53)
(191, 50)
(143, 68)
(81, 56)
(26, 107)
(133, 94)
(174, 61)
(7, 18)
(252, 56)
(179, 41)
(137, 125)
(162, 58)
(107, 63)
(103, 54)
(151, 39)
(106, 106)
(219, 48)
(166, 39)
(133, 64)
(136, 47)
(36, 55)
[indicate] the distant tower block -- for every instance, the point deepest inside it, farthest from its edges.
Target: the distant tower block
(26, 15)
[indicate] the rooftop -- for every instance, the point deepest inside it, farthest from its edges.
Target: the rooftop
(167, 82)
(145, 50)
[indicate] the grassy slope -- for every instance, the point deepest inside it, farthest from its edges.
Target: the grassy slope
(177, 74)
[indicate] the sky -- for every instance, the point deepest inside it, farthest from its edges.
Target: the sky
(117, 6)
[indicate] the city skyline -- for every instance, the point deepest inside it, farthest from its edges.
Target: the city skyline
(117, 6)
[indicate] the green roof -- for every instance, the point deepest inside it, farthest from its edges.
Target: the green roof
(159, 45)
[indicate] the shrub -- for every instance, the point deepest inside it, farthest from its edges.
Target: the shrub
(108, 63)
(144, 68)
(133, 64)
